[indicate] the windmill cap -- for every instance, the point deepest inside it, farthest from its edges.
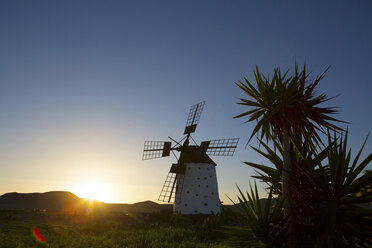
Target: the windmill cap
(195, 154)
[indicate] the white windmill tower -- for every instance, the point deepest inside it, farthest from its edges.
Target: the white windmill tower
(191, 183)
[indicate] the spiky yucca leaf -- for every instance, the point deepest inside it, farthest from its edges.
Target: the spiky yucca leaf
(269, 175)
(266, 222)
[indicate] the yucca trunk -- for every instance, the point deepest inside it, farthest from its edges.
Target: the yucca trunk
(291, 241)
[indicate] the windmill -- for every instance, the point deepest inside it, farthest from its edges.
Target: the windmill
(191, 183)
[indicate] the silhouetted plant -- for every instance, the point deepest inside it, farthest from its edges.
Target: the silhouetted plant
(335, 196)
(264, 223)
(287, 111)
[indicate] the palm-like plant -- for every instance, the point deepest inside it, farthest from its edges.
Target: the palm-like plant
(286, 106)
(287, 109)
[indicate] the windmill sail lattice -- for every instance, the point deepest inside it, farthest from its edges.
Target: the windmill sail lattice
(173, 181)
(222, 147)
(156, 149)
(193, 117)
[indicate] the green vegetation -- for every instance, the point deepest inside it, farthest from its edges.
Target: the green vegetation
(68, 230)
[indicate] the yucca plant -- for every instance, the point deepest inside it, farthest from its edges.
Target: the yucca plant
(264, 223)
(332, 201)
(339, 195)
(272, 177)
(287, 109)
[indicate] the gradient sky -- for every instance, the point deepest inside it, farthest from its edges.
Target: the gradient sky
(84, 83)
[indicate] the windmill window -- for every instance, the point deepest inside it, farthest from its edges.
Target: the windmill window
(212, 193)
(205, 178)
(206, 186)
(187, 192)
(199, 168)
(197, 195)
(195, 211)
(198, 178)
(205, 204)
(210, 176)
(185, 204)
(199, 185)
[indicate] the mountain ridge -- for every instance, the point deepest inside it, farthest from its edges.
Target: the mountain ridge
(67, 201)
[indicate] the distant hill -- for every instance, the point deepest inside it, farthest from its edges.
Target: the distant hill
(139, 207)
(67, 201)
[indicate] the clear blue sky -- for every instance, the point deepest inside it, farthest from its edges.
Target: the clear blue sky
(84, 83)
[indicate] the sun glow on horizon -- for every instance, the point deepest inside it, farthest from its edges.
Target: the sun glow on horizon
(93, 190)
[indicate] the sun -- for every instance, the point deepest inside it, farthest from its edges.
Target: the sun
(92, 190)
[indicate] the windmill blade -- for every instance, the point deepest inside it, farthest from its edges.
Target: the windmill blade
(171, 192)
(193, 117)
(168, 186)
(156, 149)
(172, 188)
(220, 147)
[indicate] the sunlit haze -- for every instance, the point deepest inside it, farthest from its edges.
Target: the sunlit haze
(84, 83)
(93, 190)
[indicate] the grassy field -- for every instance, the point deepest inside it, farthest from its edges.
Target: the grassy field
(110, 230)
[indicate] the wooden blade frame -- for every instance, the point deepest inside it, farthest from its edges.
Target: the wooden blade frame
(172, 188)
(156, 149)
(193, 117)
(221, 147)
